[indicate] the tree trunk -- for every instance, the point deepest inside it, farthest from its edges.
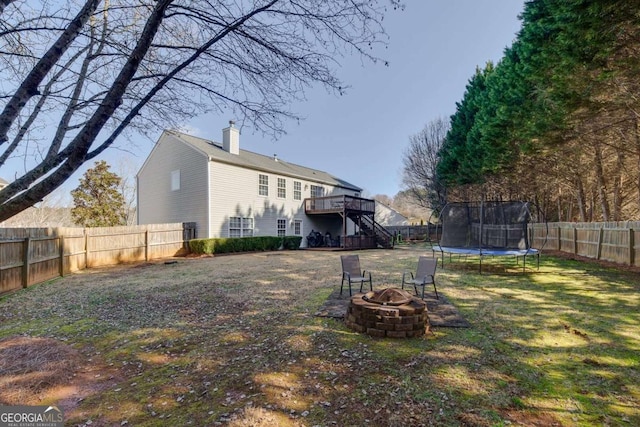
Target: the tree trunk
(601, 182)
(618, 179)
(637, 140)
(559, 203)
(581, 200)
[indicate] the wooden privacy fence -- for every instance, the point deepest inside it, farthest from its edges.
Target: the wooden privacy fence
(33, 255)
(411, 232)
(617, 242)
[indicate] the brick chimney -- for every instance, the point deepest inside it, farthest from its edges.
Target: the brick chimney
(231, 139)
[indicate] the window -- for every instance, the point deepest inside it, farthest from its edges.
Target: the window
(263, 185)
(297, 190)
(175, 180)
(317, 191)
(240, 227)
(282, 227)
(247, 227)
(297, 227)
(282, 188)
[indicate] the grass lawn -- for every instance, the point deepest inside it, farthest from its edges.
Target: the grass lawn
(233, 340)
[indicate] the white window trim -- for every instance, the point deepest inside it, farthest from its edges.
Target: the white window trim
(284, 229)
(242, 227)
(261, 185)
(298, 221)
(317, 187)
(278, 181)
(297, 192)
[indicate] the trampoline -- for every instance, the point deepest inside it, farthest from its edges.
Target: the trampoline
(486, 229)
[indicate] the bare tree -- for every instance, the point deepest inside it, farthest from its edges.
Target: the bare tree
(117, 66)
(420, 161)
(126, 170)
(52, 211)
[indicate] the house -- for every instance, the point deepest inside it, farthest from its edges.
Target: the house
(230, 192)
(387, 216)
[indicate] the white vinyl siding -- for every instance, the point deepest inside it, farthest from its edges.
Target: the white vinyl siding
(232, 197)
(158, 204)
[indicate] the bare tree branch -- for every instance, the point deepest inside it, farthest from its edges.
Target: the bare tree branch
(29, 86)
(155, 64)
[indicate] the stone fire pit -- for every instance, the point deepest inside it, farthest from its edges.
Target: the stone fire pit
(390, 312)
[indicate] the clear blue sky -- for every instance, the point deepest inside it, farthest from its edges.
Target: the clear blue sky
(434, 48)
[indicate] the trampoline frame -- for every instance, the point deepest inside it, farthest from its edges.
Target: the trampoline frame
(488, 251)
(524, 253)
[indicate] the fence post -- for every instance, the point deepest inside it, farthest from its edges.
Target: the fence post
(61, 240)
(632, 247)
(575, 240)
(559, 236)
(25, 262)
(600, 238)
(146, 245)
(86, 249)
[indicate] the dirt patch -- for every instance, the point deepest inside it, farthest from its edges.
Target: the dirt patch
(531, 419)
(36, 371)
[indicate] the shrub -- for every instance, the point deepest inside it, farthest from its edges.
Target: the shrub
(291, 242)
(243, 244)
(201, 246)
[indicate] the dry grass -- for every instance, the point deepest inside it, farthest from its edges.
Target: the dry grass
(34, 367)
(233, 340)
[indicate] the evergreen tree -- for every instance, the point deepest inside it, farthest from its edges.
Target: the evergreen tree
(97, 200)
(461, 154)
(556, 120)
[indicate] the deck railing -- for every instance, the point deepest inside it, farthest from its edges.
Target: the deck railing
(339, 204)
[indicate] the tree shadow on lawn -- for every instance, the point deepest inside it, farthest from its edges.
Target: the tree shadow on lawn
(576, 333)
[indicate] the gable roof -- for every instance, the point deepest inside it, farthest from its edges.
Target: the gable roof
(386, 215)
(260, 162)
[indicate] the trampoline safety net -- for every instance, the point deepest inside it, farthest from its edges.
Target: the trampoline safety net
(487, 225)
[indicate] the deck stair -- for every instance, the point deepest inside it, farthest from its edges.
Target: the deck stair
(371, 228)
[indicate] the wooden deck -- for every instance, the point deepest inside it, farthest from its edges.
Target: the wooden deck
(358, 210)
(339, 204)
